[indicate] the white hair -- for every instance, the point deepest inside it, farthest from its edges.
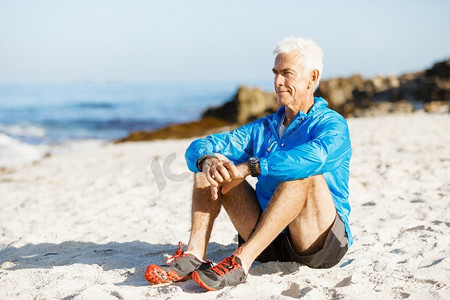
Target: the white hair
(312, 54)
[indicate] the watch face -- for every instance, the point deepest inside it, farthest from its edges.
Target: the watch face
(253, 163)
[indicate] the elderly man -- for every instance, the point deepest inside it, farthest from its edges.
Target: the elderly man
(299, 210)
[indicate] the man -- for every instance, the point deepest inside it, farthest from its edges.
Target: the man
(299, 210)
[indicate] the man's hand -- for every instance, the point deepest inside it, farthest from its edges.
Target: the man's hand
(238, 174)
(219, 170)
(216, 173)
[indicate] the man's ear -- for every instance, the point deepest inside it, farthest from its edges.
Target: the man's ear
(313, 77)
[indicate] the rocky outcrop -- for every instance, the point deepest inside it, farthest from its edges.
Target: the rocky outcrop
(353, 96)
(338, 91)
(248, 104)
(437, 107)
(384, 108)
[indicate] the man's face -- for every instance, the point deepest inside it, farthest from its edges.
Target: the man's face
(290, 82)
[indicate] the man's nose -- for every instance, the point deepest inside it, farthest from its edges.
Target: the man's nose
(279, 80)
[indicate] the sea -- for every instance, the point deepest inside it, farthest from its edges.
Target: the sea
(38, 119)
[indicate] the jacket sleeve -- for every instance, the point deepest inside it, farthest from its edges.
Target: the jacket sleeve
(236, 145)
(329, 148)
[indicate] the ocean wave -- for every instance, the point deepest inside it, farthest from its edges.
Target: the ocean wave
(22, 130)
(56, 131)
(13, 151)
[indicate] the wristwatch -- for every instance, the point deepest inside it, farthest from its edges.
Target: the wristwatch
(253, 163)
(201, 160)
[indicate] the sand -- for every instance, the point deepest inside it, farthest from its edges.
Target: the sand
(85, 224)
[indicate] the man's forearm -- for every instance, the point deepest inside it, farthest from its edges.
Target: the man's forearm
(245, 169)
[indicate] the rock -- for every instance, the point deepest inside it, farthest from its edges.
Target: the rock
(247, 105)
(429, 85)
(338, 91)
(180, 131)
(437, 107)
(440, 69)
(437, 82)
(402, 107)
(384, 108)
(352, 95)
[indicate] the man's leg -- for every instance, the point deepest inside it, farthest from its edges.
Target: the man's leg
(306, 206)
(243, 209)
(241, 206)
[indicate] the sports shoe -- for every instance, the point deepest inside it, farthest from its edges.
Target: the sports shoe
(228, 272)
(179, 267)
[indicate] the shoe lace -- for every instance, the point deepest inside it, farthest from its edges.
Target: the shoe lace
(179, 253)
(227, 264)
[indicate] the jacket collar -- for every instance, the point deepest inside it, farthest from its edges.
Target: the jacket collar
(319, 102)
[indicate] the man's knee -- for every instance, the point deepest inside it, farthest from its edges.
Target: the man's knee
(304, 183)
(200, 181)
(314, 188)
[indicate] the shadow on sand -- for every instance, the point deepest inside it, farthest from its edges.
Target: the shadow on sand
(131, 257)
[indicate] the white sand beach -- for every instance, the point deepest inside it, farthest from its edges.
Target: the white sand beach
(85, 224)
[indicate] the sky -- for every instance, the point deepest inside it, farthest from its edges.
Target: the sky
(183, 40)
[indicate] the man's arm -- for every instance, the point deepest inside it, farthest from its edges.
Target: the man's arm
(235, 145)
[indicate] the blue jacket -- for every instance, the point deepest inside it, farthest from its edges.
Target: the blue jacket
(314, 143)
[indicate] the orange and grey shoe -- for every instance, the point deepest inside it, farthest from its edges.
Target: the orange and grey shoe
(229, 272)
(179, 267)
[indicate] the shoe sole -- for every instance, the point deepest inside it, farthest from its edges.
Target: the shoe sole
(155, 275)
(200, 282)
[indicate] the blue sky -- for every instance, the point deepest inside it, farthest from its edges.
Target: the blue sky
(175, 40)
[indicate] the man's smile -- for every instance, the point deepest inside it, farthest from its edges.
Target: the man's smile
(279, 91)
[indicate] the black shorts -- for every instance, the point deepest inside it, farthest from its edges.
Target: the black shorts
(334, 248)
